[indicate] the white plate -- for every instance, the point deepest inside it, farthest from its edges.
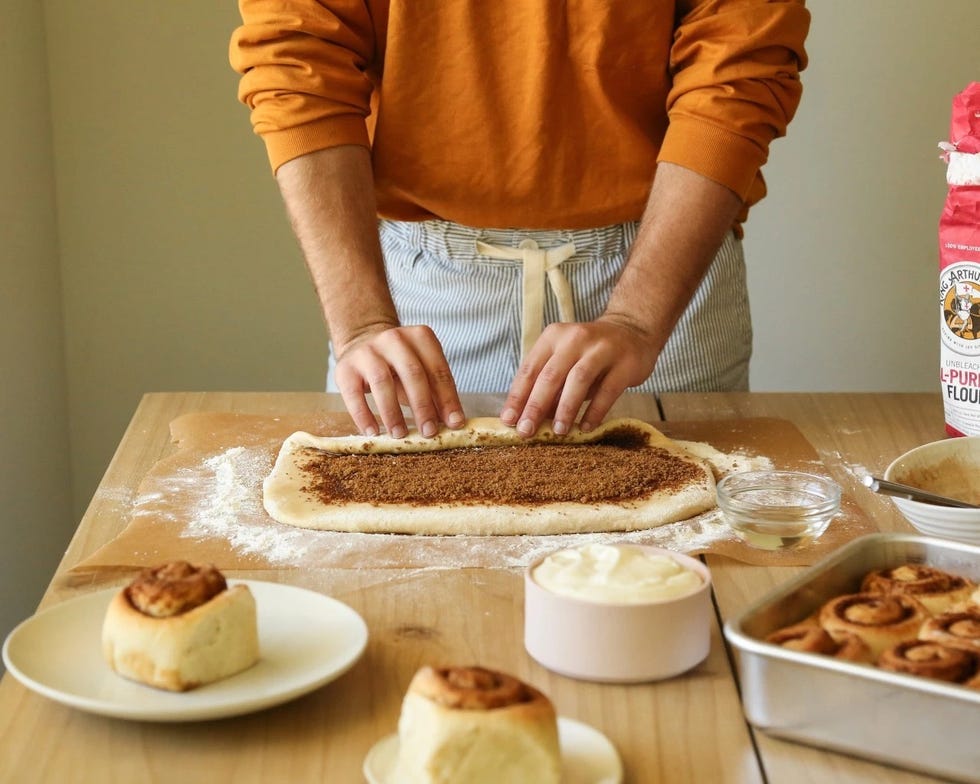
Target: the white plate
(305, 640)
(587, 756)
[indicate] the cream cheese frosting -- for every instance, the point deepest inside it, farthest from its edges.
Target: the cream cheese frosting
(615, 574)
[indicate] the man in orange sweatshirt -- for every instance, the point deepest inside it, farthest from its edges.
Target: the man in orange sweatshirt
(524, 196)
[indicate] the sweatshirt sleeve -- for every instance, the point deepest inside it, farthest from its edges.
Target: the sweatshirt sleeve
(735, 66)
(304, 73)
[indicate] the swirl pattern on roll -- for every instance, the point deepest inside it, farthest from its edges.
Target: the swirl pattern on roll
(912, 618)
(936, 589)
(810, 637)
(929, 660)
(955, 630)
(174, 588)
(471, 688)
(881, 620)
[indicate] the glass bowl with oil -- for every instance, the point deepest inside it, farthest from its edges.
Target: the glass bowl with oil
(778, 510)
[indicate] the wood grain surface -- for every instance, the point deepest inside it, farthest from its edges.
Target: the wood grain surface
(687, 729)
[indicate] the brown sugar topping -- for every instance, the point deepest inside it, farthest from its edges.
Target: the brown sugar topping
(619, 467)
(174, 588)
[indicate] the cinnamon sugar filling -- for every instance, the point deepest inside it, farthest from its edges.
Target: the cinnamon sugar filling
(620, 467)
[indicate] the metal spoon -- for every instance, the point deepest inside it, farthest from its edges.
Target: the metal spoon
(886, 487)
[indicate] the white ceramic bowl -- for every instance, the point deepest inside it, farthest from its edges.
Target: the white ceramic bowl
(619, 643)
(950, 467)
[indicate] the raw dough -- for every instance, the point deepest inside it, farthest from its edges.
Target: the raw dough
(287, 500)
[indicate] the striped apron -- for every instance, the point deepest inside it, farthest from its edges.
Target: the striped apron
(487, 294)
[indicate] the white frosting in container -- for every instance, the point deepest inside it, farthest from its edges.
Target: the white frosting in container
(615, 574)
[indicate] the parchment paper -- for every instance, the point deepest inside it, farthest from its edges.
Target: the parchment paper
(203, 503)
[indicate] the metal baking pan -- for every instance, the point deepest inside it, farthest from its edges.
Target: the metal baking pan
(902, 720)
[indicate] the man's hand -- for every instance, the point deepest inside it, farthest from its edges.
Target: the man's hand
(398, 366)
(329, 195)
(592, 361)
(684, 224)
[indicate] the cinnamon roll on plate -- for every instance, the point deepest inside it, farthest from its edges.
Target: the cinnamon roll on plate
(179, 626)
(475, 725)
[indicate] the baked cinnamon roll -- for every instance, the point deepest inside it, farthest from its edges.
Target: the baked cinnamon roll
(174, 588)
(810, 637)
(179, 626)
(974, 682)
(929, 660)
(476, 725)
(954, 630)
(936, 589)
(880, 620)
(972, 602)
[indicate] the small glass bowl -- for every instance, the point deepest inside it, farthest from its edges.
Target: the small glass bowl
(778, 510)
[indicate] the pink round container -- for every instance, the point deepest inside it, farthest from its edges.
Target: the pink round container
(619, 643)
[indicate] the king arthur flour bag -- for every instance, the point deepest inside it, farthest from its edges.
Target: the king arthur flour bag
(959, 268)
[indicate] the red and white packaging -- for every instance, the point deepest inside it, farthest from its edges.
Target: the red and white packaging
(959, 268)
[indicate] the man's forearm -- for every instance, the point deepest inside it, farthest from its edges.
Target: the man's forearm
(329, 196)
(684, 224)
(330, 199)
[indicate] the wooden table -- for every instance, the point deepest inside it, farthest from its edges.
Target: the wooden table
(688, 729)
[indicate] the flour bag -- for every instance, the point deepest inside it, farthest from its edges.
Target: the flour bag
(959, 268)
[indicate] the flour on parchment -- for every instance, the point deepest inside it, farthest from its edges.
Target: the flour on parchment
(237, 473)
(221, 498)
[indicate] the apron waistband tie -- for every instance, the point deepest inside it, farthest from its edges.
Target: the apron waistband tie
(536, 264)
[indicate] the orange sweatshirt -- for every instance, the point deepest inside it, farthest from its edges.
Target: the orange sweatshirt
(525, 113)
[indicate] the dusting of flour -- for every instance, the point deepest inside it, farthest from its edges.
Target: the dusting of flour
(221, 498)
(235, 502)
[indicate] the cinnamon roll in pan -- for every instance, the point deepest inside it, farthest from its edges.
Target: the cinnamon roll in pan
(954, 630)
(922, 724)
(974, 682)
(880, 620)
(936, 589)
(972, 602)
(179, 626)
(476, 725)
(810, 637)
(929, 660)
